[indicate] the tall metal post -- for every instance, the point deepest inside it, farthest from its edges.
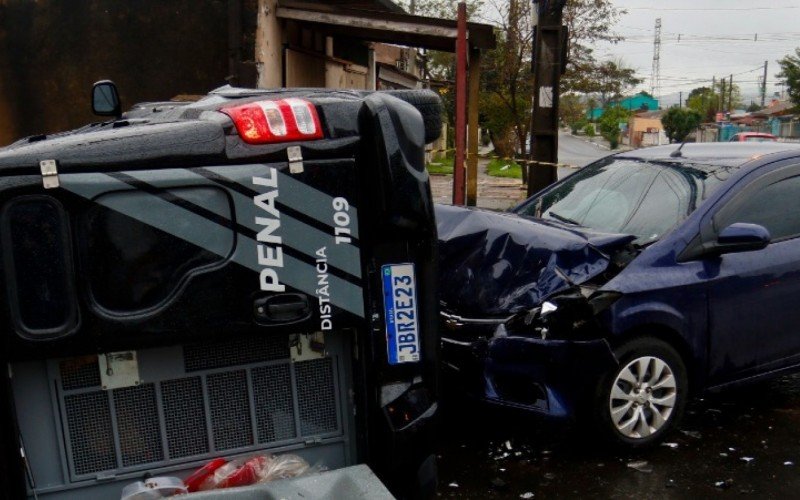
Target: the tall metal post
(549, 59)
(655, 75)
(764, 86)
(472, 126)
(459, 171)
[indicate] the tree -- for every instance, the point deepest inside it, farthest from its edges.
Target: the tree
(679, 122)
(571, 109)
(790, 74)
(705, 101)
(610, 80)
(589, 23)
(609, 124)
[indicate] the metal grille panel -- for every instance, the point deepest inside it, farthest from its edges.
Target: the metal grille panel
(91, 434)
(184, 417)
(272, 388)
(229, 402)
(137, 423)
(235, 352)
(316, 396)
(79, 373)
(178, 416)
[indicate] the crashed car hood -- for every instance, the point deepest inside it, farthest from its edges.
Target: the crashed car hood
(496, 264)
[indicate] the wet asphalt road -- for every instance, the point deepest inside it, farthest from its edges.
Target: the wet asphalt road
(577, 151)
(743, 443)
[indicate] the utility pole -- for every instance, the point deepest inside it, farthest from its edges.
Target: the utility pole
(764, 86)
(730, 95)
(722, 97)
(655, 75)
(680, 99)
(549, 60)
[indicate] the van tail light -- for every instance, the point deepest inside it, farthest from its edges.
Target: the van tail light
(284, 120)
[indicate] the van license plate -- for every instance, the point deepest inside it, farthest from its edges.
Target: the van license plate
(400, 306)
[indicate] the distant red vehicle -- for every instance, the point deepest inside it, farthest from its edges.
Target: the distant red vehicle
(753, 137)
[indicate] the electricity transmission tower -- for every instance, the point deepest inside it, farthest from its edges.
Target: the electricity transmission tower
(655, 75)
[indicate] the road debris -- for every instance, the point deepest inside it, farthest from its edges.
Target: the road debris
(498, 483)
(788, 462)
(453, 485)
(527, 495)
(641, 466)
(747, 459)
(670, 445)
(724, 485)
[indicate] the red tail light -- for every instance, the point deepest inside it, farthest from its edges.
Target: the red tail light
(285, 120)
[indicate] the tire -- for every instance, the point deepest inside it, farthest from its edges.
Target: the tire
(650, 391)
(430, 107)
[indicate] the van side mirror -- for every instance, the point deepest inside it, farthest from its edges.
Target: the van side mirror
(105, 99)
(742, 237)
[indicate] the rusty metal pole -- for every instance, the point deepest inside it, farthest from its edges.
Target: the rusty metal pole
(459, 172)
(472, 126)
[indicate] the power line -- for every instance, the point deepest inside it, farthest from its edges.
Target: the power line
(714, 9)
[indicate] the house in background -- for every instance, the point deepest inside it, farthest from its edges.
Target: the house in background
(638, 102)
(51, 51)
(645, 129)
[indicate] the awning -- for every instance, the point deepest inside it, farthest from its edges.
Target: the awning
(387, 27)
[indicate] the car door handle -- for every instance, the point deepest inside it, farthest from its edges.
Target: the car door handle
(281, 308)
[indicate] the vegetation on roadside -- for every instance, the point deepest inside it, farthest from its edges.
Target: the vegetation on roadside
(680, 122)
(504, 168)
(441, 166)
(610, 122)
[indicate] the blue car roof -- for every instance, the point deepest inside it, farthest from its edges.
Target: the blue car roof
(713, 153)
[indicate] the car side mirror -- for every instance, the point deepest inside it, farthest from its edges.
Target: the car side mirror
(742, 237)
(105, 99)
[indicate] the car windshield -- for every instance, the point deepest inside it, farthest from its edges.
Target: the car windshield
(629, 196)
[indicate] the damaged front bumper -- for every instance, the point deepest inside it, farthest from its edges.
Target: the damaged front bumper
(548, 376)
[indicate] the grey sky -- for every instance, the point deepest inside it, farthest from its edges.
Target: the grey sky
(716, 39)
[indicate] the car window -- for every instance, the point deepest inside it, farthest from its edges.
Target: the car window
(150, 262)
(664, 205)
(628, 196)
(775, 206)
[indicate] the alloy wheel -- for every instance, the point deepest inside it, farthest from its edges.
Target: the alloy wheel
(643, 397)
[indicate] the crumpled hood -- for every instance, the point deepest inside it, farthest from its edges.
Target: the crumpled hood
(496, 264)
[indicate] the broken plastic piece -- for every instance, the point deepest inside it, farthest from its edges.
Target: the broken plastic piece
(641, 466)
(154, 488)
(257, 469)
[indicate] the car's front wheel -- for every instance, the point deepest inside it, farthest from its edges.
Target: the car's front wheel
(641, 400)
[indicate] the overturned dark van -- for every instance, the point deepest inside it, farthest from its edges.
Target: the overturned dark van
(249, 273)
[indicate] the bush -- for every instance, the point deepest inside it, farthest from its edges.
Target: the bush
(578, 125)
(609, 124)
(679, 122)
(588, 129)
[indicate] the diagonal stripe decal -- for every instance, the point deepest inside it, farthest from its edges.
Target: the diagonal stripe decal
(296, 234)
(294, 194)
(185, 224)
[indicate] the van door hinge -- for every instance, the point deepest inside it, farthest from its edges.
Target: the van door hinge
(49, 170)
(295, 159)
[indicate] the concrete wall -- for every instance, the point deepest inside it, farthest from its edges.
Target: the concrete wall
(51, 51)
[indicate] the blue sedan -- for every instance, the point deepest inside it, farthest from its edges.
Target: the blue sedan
(627, 287)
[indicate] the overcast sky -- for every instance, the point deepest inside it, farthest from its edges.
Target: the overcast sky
(717, 38)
